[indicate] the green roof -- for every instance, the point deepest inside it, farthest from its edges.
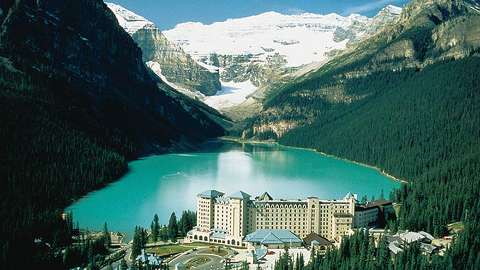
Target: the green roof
(240, 195)
(210, 194)
(272, 236)
(265, 197)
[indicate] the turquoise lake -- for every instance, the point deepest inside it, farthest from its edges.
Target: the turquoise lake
(166, 183)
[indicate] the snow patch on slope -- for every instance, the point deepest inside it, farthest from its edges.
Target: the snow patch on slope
(393, 9)
(128, 20)
(157, 69)
(232, 94)
(302, 38)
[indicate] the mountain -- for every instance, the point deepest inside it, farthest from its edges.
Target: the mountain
(259, 51)
(166, 59)
(264, 47)
(426, 33)
(76, 103)
(405, 100)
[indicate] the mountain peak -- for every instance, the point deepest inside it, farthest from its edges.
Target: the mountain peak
(392, 9)
(300, 38)
(128, 20)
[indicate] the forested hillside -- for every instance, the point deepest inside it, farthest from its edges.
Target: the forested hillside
(406, 101)
(422, 126)
(76, 103)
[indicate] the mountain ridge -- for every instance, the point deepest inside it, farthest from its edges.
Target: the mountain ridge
(76, 104)
(174, 65)
(405, 100)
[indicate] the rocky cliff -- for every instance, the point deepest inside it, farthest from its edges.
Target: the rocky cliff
(265, 47)
(174, 65)
(76, 103)
(95, 63)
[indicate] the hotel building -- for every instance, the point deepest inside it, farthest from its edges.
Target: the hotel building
(228, 219)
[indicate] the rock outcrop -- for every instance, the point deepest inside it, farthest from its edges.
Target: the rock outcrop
(175, 66)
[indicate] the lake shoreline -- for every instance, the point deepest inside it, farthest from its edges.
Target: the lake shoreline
(275, 143)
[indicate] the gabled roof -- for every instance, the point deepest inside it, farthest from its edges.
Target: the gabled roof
(210, 194)
(272, 236)
(427, 235)
(411, 237)
(314, 237)
(265, 197)
(372, 204)
(240, 195)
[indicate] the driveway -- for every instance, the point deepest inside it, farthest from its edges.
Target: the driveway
(216, 262)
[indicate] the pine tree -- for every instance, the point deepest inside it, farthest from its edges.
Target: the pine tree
(155, 228)
(172, 227)
(138, 243)
(123, 265)
(106, 236)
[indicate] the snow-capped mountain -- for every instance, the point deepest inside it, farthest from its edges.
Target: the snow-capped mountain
(300, 39)
(253, 51)
(260, 50)
(166, 59)
(128, 20)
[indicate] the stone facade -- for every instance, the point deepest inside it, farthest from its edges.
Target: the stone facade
(228, 219)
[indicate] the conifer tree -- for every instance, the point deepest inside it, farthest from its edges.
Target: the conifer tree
(172, 227)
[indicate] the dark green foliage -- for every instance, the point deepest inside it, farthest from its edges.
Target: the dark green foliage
(106, 236)
(422, 126)
(172, 227)
(139, 241)
(419, 125)
(74, 107)
(88, 252)
(187, 222)
(123, 265)
(355, 252)
(164, 233)
(45, 163)
(285, 262)
(155, 229)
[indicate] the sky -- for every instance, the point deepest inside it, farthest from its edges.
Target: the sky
(168, 13)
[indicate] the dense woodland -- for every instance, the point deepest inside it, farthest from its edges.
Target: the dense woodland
(46, 162)
(360, 252)
(414, 116)
(73, 110)
(422, 126)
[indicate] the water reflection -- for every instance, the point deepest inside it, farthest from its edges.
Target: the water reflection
(166, 183)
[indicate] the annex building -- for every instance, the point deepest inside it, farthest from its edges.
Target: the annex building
(238, 219)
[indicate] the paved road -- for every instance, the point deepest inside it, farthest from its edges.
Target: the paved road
(216, 262)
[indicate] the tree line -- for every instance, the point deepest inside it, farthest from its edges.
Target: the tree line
(419, 125)
(170, 232)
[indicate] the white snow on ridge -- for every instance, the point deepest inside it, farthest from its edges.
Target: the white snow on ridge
(212, 69)
(128, 20)
(393, 9)
(302, 39)
(232, 94)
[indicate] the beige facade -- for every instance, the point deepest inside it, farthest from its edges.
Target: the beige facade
(372, 214)
(238, 215)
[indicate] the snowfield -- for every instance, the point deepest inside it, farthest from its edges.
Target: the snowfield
(232, 94)
(128, 20)
(302, 39)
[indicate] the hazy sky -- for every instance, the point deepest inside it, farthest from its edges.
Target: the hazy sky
(168, 13)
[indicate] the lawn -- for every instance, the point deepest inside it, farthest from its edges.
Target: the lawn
(216, 250)
(197, 261)
(173, 249)
(169, 249)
